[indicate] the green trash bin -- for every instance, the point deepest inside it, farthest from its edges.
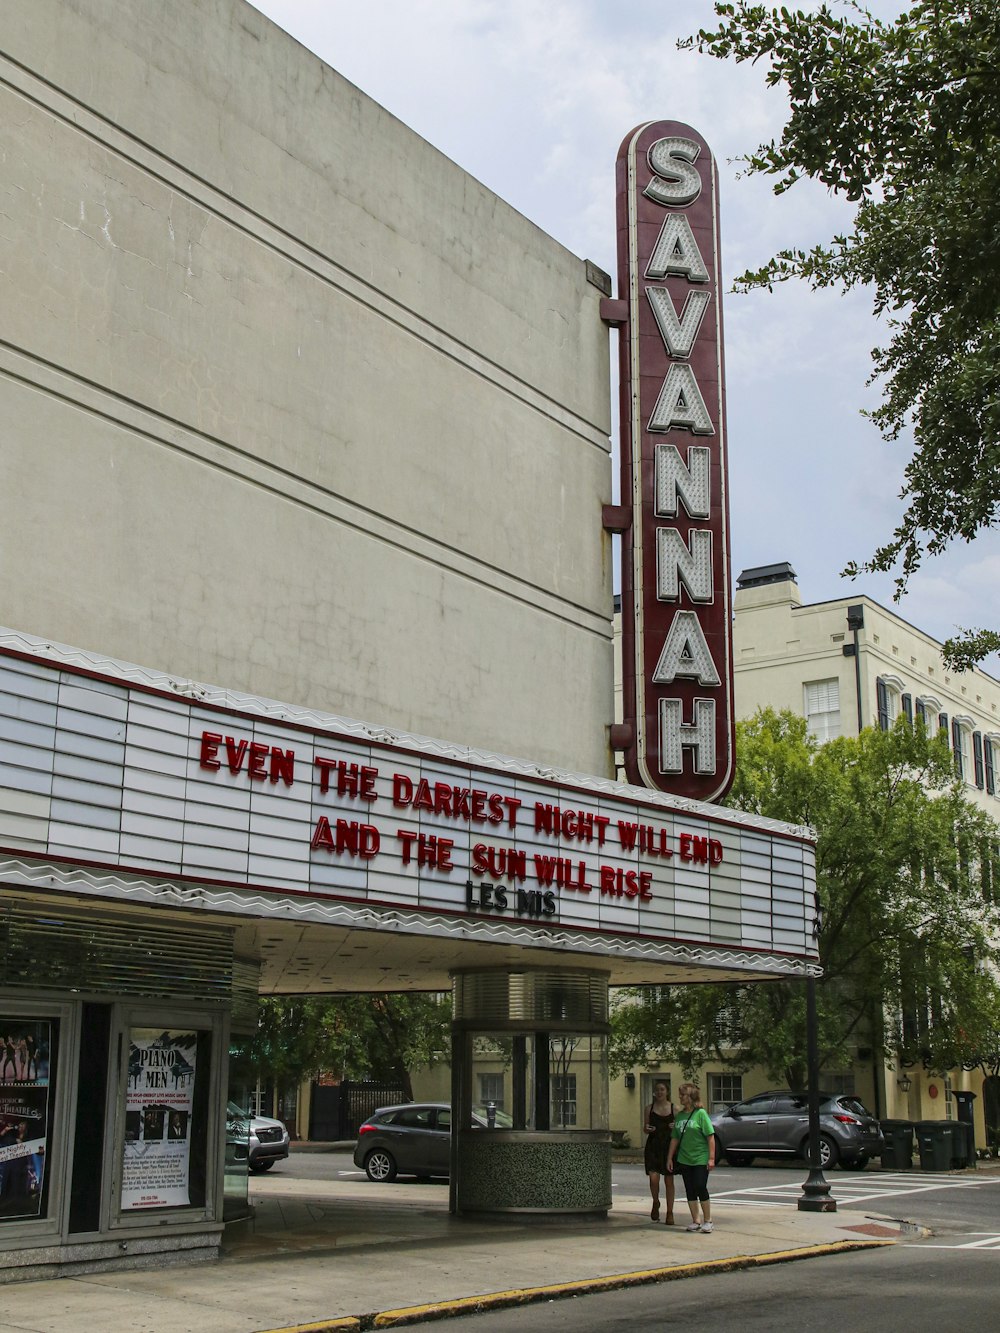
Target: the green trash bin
(897, 1150)
(934, 1141)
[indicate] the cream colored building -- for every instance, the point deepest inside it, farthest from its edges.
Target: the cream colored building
(851, 663)
(846, 664)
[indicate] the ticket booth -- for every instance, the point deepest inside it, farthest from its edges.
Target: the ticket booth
(546, 1148)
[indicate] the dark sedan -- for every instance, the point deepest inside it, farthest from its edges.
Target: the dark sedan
(414, 1139)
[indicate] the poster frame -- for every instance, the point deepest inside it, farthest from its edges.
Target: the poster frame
(177, 1018)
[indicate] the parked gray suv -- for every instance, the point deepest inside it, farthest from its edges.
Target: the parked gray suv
(776, 1124)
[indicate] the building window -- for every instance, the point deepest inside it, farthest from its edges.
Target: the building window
(839, 1085)
(889, 697)
(961, 745)
(977, 759)
(989, 773)
(491, 1090)
(957, 748)
(822, 709)
(927, 709)
(723, 1090)
(563, 1100)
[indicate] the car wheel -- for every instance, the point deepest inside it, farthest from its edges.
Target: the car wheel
(739, 1158)
(829, 1154)
(380, 1165)
(856, 1164)
(258, 1167)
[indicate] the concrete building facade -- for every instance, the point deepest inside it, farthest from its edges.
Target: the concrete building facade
(307, 672)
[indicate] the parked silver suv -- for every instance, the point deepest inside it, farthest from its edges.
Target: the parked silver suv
(256, 1139)
(776, 1124)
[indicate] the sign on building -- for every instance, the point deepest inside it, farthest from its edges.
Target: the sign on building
(677, 729)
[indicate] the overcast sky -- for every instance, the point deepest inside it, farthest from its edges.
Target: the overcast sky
(534, 97)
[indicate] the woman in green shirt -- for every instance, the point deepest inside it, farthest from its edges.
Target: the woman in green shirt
(692, 1144)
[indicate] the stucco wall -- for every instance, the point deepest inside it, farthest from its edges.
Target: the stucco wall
(291, 402)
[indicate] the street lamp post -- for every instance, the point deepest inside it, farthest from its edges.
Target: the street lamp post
(816, 1197)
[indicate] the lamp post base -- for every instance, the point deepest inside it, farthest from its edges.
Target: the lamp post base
(816, 1197)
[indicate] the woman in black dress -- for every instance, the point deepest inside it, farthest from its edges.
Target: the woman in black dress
(659, 1123)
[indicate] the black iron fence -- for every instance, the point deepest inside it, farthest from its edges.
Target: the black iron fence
(336, 1112)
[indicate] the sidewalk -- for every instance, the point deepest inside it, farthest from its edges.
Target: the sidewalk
(352, 1255)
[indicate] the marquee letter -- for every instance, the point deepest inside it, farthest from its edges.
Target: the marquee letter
(678, 334)
(676, 251)
(685, 653)
(680, 403)
(676, 180)
(677, 564)
(676, 735)
(691, 481)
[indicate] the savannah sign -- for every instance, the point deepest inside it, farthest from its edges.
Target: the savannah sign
(677, 733)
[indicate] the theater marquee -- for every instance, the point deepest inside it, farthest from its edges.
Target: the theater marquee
(677, 732)
(126, 771)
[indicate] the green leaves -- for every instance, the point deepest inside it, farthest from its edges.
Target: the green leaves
(355, 1036)
(908, 935)
(903, 119)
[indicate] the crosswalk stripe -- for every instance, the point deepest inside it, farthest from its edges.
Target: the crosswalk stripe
(854, 1191)
(989, 1246)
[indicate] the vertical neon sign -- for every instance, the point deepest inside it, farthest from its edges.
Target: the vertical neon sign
(677, 732)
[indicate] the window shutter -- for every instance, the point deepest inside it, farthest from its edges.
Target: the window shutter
(977, 757)
(922, 711)
(943, 724)
(907, 701)
(882, 695)
(956, 747)
(988, 765)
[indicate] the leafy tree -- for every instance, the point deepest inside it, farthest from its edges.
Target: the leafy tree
(382, 1036)
(902, 119)
(907, 935)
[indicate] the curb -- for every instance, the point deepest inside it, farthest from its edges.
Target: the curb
(499, 1300)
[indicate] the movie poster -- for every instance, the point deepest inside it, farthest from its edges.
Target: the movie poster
(25, 1053)
(158, 1104)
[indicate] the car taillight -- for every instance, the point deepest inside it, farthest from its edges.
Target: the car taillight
(365, 1129)
(846, 1119)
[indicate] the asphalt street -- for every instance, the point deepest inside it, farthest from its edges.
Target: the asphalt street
(902, 1287)
(950, 1203)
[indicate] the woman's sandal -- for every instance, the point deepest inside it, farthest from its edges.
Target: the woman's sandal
(668, 1221)
(654, 1212)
